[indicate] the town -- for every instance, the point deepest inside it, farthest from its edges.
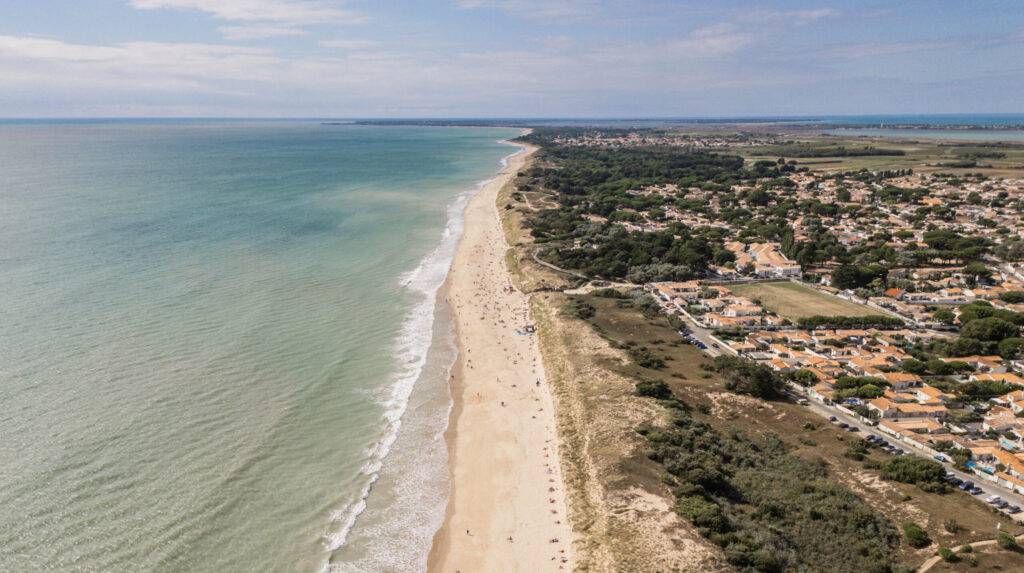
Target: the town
(891, 301)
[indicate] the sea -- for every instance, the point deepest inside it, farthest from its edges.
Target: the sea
(221, 346)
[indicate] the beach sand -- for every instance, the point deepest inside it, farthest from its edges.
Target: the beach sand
(507, 508)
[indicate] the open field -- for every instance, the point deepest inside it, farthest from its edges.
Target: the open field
(793, 300)
(922, 156)
(806, 433)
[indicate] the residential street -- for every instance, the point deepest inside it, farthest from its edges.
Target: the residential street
(988, 488)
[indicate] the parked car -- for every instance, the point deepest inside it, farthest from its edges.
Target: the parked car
(992, 499)
(843, 425)
(1013, 509)
(832, 418)
(852, 429)
(975, 491)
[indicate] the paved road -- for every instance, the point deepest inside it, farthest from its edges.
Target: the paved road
(699, 332)
(987, 488)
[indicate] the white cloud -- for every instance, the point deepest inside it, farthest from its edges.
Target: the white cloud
(876, 49)
(715, 40)
(538, 9)
(133, 61)
(343, 44)
(259, 32)
(359, 78)
(262, 18)
(787, 16)
(292, 12)
(812, 15)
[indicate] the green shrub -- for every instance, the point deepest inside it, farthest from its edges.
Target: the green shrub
(703, 513)
(744, 376)
(769, 510)
(1005, 541)
(857, 450)
(609, 293)
(644, 358)
(915, 535)
(951, 525)
(818, 321)
(947, 555)
(580, 308)
(653, 389)
(929, 475)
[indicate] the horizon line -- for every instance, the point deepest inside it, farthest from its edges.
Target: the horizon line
(513, 117)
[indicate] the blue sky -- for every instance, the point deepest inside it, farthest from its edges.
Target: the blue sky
(508, 58)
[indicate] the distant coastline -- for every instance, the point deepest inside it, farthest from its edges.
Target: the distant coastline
(958, 122)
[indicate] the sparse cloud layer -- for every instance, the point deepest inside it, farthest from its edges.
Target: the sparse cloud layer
(349, 58)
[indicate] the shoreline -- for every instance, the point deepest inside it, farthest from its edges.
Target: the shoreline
(506, 502)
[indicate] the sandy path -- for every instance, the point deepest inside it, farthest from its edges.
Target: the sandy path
(507, 508)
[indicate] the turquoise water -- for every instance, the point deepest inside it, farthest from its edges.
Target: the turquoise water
(209, 333)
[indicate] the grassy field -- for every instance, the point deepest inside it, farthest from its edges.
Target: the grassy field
(809, 435)
(920, 155)
(792, 300)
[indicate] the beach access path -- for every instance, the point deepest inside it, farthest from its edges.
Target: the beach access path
(507, 507)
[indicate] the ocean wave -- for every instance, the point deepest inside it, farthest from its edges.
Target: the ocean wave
(412, 346)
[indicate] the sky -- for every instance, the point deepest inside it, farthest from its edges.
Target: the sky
(508, 58)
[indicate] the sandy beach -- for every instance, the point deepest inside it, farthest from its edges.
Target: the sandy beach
(507, 509)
